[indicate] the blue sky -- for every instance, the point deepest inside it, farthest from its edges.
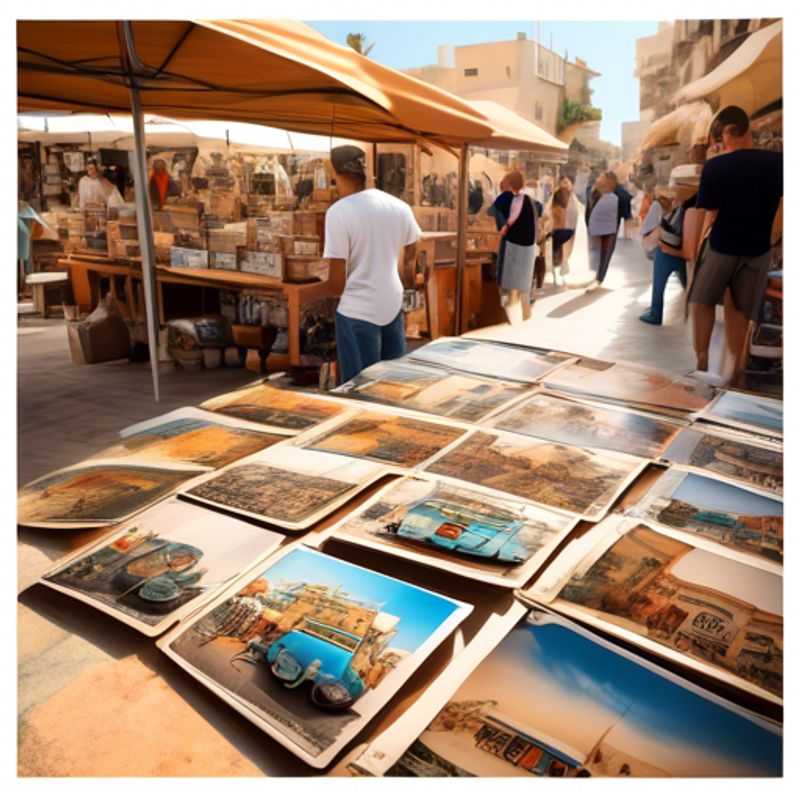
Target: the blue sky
(660, 709)
(720, 496)
(420, 612)
(608, 48)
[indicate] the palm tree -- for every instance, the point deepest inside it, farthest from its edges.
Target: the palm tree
(358, 41)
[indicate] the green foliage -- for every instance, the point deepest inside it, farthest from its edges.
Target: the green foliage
(358, 41)
(572, 111)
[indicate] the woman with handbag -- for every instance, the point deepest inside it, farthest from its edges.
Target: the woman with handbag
(519, 234)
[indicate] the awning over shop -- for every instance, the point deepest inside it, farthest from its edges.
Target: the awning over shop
(282, 74)
(751, 77)
(686, 125)
(511, 131)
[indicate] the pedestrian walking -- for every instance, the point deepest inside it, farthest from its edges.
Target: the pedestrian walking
(500, 210)
(603, 225)
(561, 232)
(520, 238)
(741, 192)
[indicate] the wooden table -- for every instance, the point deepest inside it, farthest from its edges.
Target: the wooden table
(40, 282)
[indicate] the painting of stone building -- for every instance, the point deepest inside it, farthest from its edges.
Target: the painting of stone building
(666, 590)
(572, 479)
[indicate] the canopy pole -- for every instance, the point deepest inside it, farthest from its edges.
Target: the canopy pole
(461, 234)
(143, 218)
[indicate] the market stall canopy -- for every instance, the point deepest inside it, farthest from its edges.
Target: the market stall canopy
(278, 73)
(686, 125)
(511, 131)
(751, 77)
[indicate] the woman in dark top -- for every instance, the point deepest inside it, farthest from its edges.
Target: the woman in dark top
(500, 210)
(519, 235)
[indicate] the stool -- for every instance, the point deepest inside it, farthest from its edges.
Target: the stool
(41, 282)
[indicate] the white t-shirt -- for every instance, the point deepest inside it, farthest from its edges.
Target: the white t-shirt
(368, 230)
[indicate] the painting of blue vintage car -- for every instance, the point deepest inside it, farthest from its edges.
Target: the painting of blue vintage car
(321, 654)
(451, 527)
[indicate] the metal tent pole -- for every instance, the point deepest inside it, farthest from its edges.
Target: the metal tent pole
(461, 234)
(143, 218)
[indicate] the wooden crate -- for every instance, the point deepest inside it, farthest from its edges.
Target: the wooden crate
(303, 269)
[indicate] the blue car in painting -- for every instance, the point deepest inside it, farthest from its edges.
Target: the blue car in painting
(458, 529)
(323, 655)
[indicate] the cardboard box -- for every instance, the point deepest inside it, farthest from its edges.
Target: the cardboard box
(304, 269)
(309, 223)
(187, 257)
(222, 241)
(304, 246)
(223, 260)
(270, 265)
(223, 204)
(164, 242)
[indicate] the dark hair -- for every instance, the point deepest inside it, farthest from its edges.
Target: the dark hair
(732, 119)
(561, 198)
(91, 161)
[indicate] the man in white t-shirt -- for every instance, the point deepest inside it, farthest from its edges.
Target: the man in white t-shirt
(366, 230)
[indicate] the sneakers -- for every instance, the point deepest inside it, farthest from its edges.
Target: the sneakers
(709, 378)
(592, 286)
(649, 318)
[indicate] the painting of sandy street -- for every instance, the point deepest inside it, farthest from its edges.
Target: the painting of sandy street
(572, 479)
(554, 701)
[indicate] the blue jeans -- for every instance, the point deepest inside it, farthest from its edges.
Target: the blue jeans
(664, 265)
(360, 344)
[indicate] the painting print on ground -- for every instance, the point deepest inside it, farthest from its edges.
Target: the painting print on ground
(458, 529)
(286, 410)
(561, 420)
(96, 494)
(148, 572)
(399, 441)
(571, 479)
(748, 412)
(742, 521)
(711, 609)
(312, 647)
(466, 398)
(553, 700)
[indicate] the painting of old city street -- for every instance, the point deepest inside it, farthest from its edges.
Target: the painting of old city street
(467, 398)
(552, 701)
(161, 561)
(577, 480)
(310, 645)
(711, 608)
(743, 521)
(93, 495)
(730, 458)
(400, 441)
(468, 532)
(560, 420)
(292, 411)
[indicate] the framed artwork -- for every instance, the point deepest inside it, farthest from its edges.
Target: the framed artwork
(753, 413)
(162, 565)
(309, 648)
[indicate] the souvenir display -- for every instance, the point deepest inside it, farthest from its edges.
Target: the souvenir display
(309, 648)
(744, 524)
(554, 700)
(278, 409)
(685, 603)
(399, 441)
(721, 454)
(162, 565)
(285, 487)
(572, 479)
(476, 534)
(92, 494)
(630, 383)
(466, 398)
(748, 412)
(194, 436)
(559, 419)
(505, 362)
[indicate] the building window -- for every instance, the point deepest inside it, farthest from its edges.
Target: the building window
(538, 111)
(471, 72)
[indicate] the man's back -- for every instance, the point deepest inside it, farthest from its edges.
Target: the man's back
(368, 230)
(745, 188)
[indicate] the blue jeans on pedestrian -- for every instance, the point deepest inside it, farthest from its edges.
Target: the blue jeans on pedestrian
(664, 265)
(360, 344)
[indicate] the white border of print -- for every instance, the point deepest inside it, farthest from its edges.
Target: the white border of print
(371, 704)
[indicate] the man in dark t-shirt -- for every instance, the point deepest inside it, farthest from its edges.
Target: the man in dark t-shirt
(740, 191)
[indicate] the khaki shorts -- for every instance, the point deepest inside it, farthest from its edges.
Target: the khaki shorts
(746, 276)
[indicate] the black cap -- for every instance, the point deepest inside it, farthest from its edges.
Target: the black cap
(349, 159)
(730, 117)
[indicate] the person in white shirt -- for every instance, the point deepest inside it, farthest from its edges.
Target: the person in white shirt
(93, 188)
(366, 230)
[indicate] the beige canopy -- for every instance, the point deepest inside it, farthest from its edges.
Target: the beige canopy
(511, 131)
(278, 73)
(686, 125)
(751, 77)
